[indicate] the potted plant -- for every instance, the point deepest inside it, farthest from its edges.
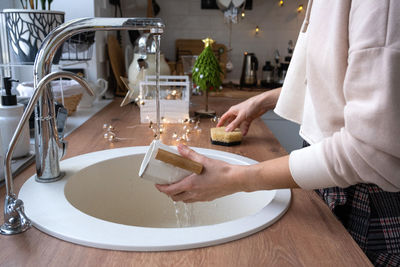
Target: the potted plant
(26, 29)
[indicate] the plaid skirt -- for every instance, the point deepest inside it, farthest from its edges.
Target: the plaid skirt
(371, 216)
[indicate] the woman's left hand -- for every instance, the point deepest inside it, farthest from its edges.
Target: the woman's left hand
(217, 179)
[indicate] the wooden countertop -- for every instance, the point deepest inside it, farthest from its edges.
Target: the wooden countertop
(307, 235)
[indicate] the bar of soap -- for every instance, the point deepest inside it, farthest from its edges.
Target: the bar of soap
(222, 138)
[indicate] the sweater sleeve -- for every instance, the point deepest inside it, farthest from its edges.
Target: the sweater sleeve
(367, 148)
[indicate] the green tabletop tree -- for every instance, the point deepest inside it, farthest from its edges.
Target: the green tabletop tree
(207, 74)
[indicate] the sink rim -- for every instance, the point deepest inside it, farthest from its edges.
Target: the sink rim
(99, 233)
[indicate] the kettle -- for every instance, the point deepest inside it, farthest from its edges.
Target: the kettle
(144, 50)
(249, 70)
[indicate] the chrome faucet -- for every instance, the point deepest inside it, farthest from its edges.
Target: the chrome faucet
(48, 146)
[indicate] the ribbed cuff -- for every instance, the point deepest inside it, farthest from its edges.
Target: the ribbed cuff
(308, 168)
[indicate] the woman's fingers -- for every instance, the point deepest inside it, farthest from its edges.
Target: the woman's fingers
(234, 124)
(245, 128)
(227, 117)
(186, 152)
(184, 196)
(174, 189)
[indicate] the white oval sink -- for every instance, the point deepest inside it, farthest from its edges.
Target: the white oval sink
(101, 202)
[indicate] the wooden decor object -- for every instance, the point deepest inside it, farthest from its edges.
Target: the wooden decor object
(117, 63)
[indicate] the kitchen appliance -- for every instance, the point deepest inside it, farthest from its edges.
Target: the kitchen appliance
(144, 52)
(249, 70)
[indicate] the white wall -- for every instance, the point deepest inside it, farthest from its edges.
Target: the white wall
(186, 19)
(6, 4)
(74, 9)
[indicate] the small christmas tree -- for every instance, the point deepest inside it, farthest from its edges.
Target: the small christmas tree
(207, 74)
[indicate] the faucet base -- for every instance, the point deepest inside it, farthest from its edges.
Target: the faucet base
(14, 216)
(49, 180)
(6, 229)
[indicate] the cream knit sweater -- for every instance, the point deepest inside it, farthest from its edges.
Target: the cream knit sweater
(343, 87)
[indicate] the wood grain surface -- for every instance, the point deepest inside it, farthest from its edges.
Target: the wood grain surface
(179, 161)
(307, 235)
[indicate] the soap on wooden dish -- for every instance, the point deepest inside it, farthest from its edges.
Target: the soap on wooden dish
(222, 138)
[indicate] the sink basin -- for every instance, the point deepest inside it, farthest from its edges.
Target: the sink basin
(101, 202)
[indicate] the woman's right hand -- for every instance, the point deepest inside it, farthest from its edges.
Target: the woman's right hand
(242, 114)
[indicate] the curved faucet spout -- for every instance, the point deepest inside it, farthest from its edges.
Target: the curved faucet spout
(14, 216)
(47, 145)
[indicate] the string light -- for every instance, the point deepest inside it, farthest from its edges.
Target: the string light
(215, 119)
(110, 135)
(300, 8)
(257, 29)
(242, 14)
(281, 3)
(188, 129)
(190, 126)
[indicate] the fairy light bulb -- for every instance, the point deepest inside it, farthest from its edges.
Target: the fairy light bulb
(300, 8)
(215, 119)
(111, 138)
(281, 3)
(243, 14)
(257, 29)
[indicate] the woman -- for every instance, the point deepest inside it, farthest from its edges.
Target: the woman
(343, 87)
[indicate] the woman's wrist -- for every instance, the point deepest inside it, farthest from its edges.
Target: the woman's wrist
(240, 178)
(267, 100)
(267, 175)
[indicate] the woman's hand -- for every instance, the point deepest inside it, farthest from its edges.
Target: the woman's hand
(242, 114)
(217, 179)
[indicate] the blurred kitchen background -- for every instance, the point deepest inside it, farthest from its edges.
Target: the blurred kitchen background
(266, 29)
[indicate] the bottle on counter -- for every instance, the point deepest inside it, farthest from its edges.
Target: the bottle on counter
(10, 115)
(267, 73)
(277, 59)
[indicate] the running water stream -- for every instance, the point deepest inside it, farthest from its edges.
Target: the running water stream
(183, 214)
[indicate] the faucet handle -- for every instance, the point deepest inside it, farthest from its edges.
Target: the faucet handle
(62, 115)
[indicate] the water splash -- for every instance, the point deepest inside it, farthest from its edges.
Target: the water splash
(184, 214)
